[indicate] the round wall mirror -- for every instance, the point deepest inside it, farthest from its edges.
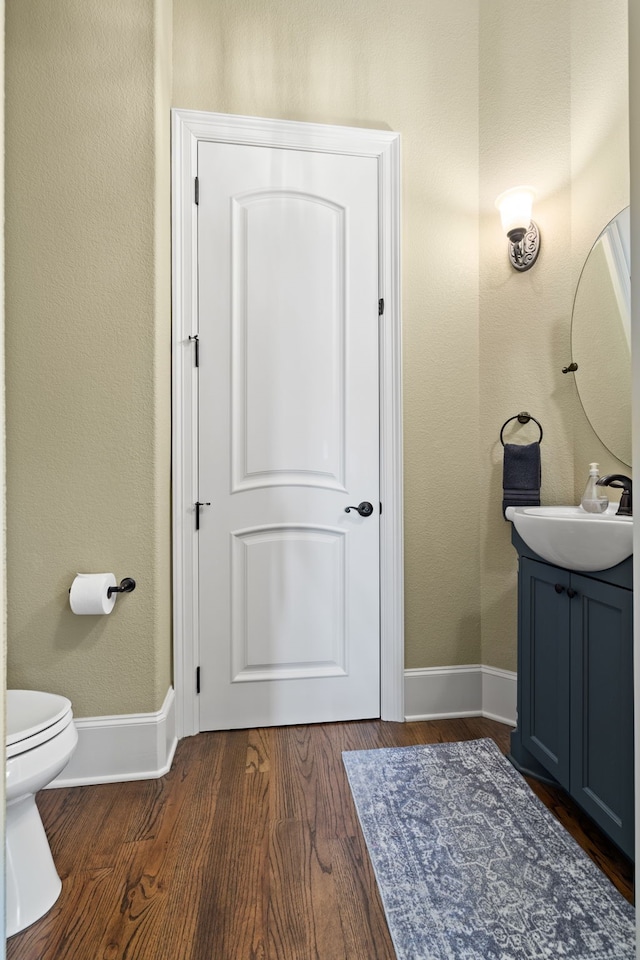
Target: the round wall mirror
(601, 337)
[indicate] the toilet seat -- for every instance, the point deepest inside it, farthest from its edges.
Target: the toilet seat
(33, 718)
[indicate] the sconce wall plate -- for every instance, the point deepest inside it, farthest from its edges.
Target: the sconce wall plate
(524, 253)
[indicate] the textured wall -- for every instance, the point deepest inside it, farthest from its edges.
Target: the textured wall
(599, 162)
(484, 94)
(525, 137)
(410, 67)
(88, 340)
(561, 127)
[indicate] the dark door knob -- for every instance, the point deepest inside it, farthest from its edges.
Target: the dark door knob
(365, 509)
(559, 588)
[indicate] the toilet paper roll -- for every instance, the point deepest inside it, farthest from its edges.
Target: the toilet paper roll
(88, 594)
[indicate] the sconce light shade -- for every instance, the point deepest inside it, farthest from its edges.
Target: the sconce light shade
(524, 238)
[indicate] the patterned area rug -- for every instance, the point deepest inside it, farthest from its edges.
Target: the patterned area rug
(472, 866)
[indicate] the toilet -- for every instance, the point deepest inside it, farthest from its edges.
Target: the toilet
(41, 736)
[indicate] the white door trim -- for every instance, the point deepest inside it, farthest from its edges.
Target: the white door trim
(189, 127)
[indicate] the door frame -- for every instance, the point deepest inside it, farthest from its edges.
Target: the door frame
(189, 127)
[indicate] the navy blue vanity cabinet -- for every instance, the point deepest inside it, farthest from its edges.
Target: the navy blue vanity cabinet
(602, 705)
(543, 713)
(575, 686)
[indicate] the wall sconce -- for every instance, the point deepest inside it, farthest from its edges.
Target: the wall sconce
(524, 237)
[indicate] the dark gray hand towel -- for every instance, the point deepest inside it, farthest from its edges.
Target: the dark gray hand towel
(521, 475)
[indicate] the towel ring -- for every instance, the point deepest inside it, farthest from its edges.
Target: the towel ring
(523, 417)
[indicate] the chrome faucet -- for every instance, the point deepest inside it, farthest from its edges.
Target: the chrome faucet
(620, 482)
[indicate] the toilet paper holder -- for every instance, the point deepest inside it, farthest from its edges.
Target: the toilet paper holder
(127, 585)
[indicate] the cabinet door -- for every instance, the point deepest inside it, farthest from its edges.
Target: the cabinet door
(602, 706)
(545, 647)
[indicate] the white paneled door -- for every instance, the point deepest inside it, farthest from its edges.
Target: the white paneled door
(288, 422)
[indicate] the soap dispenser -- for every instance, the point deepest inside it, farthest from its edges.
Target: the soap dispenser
(594, 498)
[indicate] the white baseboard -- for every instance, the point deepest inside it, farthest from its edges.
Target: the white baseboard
(439, 693)
(138, 746)
(499, 700)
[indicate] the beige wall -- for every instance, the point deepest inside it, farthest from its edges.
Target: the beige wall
(525, 137)
(411, 67)
(485, 95)
(599, 160)
(560, 123)
(88, 340)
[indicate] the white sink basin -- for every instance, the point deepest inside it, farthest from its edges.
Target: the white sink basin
(573, 538)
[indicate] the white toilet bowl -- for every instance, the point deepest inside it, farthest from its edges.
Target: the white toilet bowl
(41, 736)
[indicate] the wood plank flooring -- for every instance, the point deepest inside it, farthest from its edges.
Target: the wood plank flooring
(249, 849)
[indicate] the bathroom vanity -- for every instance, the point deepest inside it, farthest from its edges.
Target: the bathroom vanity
(575, 686)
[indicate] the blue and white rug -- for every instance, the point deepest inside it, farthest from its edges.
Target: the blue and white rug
(472, 866)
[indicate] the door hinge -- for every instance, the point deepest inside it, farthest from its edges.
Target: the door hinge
(196, 190)
(380, 307)
(196, 342)
(380, 508)
(198, 504)
(197, 679)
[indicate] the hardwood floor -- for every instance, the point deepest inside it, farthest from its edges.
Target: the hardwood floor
(249, 849)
